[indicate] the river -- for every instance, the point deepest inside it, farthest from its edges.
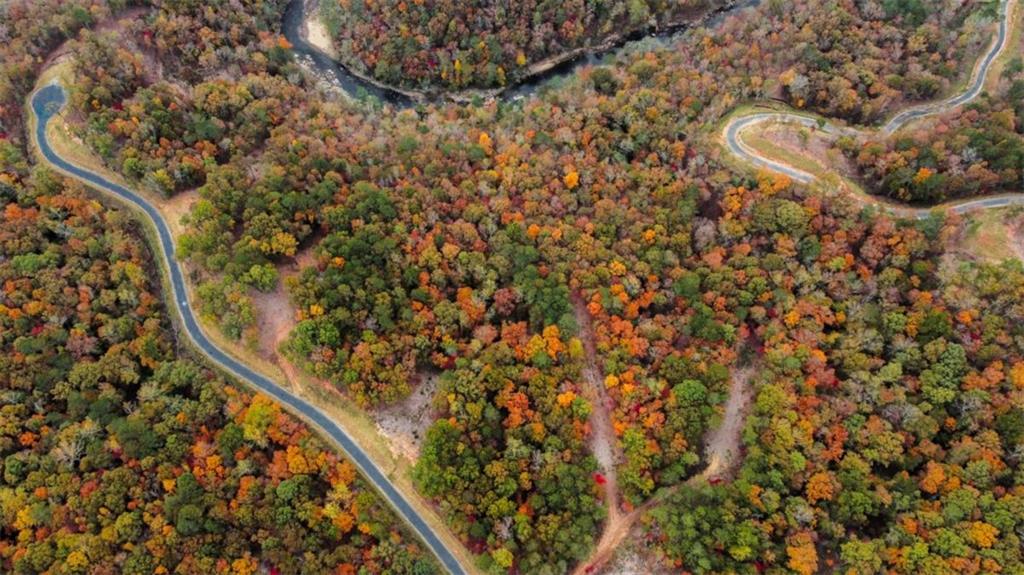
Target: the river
(354, 86)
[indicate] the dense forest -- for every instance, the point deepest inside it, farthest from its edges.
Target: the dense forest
(487, 241)
(194, 39)
(507, 460)
(119, 454)
(885, 432)
(457, 239)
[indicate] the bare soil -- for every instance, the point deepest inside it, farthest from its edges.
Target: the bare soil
(404, 424)
(275, 315)
(632, 561)
(275, 320)
(722, 446)
(603, 442)
(1016, 242)
(176, 208)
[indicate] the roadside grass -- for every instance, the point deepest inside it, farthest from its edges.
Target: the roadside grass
(827, 181)
(761, 142)
(989, 234)
(1014, 45)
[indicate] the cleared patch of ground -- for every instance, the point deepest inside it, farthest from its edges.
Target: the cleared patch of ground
(991, 235)
(275, 320)
(800, 142)
(275, 314)
(1017, 238)
(175, 208)
(275, 317)
(632, 561)
(404, 424)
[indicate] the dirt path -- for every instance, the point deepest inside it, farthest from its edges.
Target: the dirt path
(722, 446)
(1017, 239)
(603, 442)
(722, 449)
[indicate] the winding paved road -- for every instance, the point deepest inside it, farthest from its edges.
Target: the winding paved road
(46, 103)
(736, 126)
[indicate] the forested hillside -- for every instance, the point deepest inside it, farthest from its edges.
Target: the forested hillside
(969, 152)
(29, 30)
(118, 450)
(194, 39)
(486, 243)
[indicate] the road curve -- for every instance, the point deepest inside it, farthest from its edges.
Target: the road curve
(974, 88)
(734, 128)
(45, 104)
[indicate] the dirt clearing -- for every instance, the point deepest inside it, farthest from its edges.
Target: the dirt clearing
(404, 424)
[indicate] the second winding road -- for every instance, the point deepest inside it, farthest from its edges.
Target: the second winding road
(736, 126)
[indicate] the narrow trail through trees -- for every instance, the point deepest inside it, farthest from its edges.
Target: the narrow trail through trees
(723, 447)
(722, 452)
(603, 442)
